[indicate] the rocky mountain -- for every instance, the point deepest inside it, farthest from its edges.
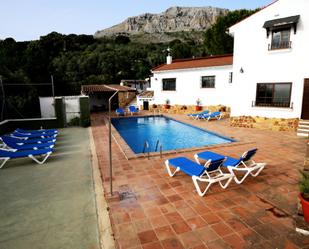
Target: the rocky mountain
(173, 20)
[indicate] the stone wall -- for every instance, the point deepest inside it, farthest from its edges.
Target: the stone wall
(124, 98)
(275, 124)
(187, 109)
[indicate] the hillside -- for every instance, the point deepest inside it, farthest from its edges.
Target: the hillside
(166, 26)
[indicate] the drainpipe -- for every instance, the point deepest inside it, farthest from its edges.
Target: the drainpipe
(110, 139)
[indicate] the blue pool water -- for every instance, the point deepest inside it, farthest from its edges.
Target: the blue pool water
(171, 133)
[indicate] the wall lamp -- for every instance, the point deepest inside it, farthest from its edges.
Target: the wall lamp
(241, 70)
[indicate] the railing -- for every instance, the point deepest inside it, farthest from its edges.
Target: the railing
(146, 145)
(161, 147)
(279, 104)
(280, 45)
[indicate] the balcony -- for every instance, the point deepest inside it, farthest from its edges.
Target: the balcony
(280, 45)
(266, 102)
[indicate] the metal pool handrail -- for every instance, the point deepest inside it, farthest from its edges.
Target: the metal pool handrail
(146, 145)
(161, 146)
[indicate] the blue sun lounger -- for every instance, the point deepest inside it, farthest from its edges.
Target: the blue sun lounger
(209, 173)
(8, 145)
(36, 131)
(198, 115)
(120, 112)
(21, 141)
(217, 115)
(6, 155)
(244, 164)
(133, 109)
(30, 136)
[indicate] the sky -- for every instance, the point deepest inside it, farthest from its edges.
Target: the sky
(26, 20)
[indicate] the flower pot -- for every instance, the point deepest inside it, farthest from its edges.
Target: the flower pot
(198, 108)
(167, 106)
(305, 206)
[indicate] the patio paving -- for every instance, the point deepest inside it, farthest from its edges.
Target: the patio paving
(152, 210)
(50, 205)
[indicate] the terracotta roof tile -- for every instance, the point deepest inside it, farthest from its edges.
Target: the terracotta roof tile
(146, 94)
(105, 88)
(211, 61)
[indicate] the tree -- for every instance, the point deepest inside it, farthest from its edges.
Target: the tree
(217, 41)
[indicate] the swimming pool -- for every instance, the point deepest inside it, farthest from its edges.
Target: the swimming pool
(172, 134)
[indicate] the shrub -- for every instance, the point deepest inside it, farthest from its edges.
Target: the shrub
(304, 185)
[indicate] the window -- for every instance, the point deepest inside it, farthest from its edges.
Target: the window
(208, 81)
(280, 39)
(169, 84)
(273, 94)
(230, 77)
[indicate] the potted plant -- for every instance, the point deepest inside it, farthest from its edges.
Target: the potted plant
(198, 106)
(304, 194)
(222, 109)
(154, 106)
(167, 104)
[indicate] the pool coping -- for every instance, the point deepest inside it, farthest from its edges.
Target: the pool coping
(130, 154)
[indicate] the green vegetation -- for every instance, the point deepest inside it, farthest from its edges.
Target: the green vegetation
(74, 60)
(217, 41)
(304, 184)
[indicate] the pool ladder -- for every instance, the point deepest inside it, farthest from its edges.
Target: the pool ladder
(146, 146)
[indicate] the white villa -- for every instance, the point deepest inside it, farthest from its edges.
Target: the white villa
(267, 76)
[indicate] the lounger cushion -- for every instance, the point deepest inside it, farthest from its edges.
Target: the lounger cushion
(187, 166)
(230, 161)
(206, 155)
(23, 153)
(9, 139)
(37, 131)
(17, 134)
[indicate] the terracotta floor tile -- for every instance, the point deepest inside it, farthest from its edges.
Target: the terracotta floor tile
(142, 225)
(202, 246)
(190, 239)
(196, 223)
(206, 234)
(128, 243)
(181, 227)
(137, 214)
(236, 224)
(239, 207)
(250, 236)
(147, 236)
(172, 243)
(152, 212)
(153, 245)
(222, 229)
(174, 198)
(234, 241)
(211, 218)
(217, 244)
(187, 212)
(164, 232)
(173, 217)
(158, 221)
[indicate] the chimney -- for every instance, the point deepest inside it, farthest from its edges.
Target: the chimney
(169, 58)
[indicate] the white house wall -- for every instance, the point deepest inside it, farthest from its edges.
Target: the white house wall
(276, 66)
(188, 86)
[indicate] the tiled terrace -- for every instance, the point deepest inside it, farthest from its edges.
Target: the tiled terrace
(156, 211)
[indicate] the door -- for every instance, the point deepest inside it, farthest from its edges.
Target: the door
(305, 108)
(145, 105)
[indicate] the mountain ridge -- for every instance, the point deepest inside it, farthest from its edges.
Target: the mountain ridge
(174, 19)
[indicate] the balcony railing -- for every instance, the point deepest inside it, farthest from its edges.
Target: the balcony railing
(278, 104)
(280, 45)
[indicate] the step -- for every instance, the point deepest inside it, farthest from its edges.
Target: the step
(303, 126)
(304, 122)
(302, 134)
(302, 130)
